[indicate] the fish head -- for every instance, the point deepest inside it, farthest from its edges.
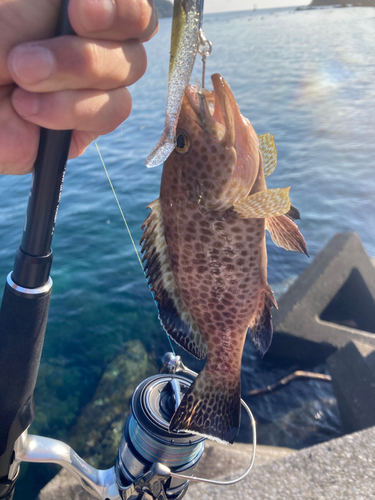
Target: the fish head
(217, 149)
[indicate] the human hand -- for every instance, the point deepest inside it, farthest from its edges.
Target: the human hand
(71, 82)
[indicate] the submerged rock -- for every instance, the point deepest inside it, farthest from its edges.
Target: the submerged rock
(315, 421)
(97, 433)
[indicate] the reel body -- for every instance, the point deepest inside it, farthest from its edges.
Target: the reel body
(152, 462)
(149, 450)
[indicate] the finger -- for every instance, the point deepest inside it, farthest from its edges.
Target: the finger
(75, 63)
(23, 21)
(114, 19)
(18, 138)
(80, 141)
(86, 110)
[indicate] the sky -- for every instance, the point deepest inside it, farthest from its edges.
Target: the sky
(227, 5)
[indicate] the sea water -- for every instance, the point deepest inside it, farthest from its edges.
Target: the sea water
(305, 76)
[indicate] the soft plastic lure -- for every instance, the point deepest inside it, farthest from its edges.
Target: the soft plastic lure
(187, 16)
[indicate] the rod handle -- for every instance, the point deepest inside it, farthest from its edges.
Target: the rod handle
(23, 320)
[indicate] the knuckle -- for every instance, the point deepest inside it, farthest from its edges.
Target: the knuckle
(142, 60)
(138, 64)
(147, 21)
(91, 62)
(126, 100)
(118, 112)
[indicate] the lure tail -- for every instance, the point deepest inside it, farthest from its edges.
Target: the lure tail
(211, 408)
(163, 148)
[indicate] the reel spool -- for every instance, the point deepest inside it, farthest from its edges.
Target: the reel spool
(146, 440)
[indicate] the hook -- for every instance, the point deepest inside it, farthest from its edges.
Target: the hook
(204, 50)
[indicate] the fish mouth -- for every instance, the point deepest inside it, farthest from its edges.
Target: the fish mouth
(215, 111)
(221, 183)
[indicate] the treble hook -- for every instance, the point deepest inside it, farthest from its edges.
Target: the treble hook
(205, 46)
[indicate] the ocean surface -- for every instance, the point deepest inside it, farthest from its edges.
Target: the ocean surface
(308, 78)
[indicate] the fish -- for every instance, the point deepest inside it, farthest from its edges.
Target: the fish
(205, 255)
(187, 17)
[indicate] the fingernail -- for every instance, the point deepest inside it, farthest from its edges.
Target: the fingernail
(31, 64)
(97, 15)
(25, 103)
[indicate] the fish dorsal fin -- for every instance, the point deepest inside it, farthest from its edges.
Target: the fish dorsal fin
(174, 316)
(285, 233)
(268, 203)
(269, 153)
(260, 329)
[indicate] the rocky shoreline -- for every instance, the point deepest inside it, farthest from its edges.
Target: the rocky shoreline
(317, 4)
(164, 8)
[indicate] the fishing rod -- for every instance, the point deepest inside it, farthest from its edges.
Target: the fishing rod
(25, 304)
(152, 462)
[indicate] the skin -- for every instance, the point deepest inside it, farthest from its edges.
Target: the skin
(72, 82)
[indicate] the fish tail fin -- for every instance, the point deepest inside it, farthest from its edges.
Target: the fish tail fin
(211, 407)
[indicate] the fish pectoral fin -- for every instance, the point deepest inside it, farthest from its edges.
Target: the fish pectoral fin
(269, 153)
(174, 316)
(285, 234)
(260, 329)
(211, 407)
(268, 203)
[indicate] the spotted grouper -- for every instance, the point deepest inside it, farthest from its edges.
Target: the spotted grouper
(205, 252)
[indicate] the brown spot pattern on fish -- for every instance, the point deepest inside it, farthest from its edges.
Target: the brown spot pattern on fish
(173, 315)
(205, 252)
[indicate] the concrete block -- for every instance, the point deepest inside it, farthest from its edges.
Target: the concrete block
(330, 304)
(340, 469)
(353, 381)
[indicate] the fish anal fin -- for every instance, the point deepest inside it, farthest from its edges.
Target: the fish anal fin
(268, 203)
(285, 233)
(269, 153)
(260, 328)
(174, 316)
(210, 408)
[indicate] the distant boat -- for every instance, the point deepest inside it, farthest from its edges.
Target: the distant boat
(255, 6)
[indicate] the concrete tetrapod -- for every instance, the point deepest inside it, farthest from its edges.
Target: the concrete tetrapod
(353, 379)
(330, 304)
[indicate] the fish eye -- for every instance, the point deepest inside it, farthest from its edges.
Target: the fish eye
(182, 143)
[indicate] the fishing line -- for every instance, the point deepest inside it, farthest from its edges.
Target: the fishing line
(119, 206)
(127, 226)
